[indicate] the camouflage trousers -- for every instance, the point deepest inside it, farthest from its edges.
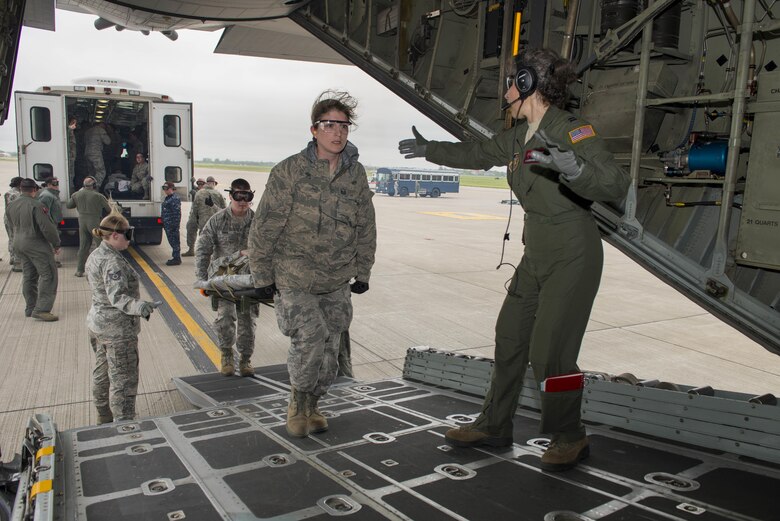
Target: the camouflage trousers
(192, 233)
(225, 325)
(314, 324)
(98, 168)
(10, 230)
(115, 376)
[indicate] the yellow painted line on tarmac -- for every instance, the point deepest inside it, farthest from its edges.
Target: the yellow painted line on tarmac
(466, 216)
(197, 332)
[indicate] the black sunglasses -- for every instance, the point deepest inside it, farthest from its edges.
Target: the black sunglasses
(127, 233)
(242, 196)
(200, 184)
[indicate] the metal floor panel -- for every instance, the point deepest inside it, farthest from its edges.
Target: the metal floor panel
(384, 457)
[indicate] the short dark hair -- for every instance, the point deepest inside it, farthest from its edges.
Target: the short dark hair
(239, 184)
(28, 185)
(15, 182)
(553, 74)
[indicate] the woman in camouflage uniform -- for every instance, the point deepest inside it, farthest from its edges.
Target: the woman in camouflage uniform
(314, 231)
(113, 321)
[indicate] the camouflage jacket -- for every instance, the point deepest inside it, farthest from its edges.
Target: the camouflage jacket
(171, 210)
(51, 198)
(223, 235)
(116, 303)
(140, 178)
(314, 231)
(31, 224)
(201, 210)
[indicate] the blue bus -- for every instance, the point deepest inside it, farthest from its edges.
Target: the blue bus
(402, 181)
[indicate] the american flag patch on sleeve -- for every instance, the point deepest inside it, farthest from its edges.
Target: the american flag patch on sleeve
(580, 133)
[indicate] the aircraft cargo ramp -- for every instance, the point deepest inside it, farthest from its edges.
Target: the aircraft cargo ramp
(384, 457)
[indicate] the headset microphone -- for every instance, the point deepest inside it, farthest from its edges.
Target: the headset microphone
(506, 104)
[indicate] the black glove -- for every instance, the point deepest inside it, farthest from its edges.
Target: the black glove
(358, 287)
(413, 147)
(266, 292)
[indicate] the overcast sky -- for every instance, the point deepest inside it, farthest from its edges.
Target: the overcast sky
(244, 108)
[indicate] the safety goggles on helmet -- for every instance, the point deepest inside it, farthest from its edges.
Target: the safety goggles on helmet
(200, 183)
(241, 196)
(127, 233)
(331, 126)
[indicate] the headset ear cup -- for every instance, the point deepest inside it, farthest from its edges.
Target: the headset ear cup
(525, 81)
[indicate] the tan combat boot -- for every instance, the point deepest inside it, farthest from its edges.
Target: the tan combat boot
(45, 316)
(468, 436)
(227, 368)
(563, 455)
(297, 420)
(316, 421)
(245, 367)
(188, 253)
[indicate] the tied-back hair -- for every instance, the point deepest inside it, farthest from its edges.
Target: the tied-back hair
(553, 73)
(113, 222)
(334, 100)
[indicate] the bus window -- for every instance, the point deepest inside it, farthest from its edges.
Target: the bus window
(404, 177)
(40, 124)
(415, 177)
(426, 177)
(435, 178)
(172, 130)
(42, 171)
(173, 174)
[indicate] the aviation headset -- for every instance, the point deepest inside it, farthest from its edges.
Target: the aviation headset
(526, 80)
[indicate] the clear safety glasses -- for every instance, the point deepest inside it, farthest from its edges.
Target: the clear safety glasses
(331, 126)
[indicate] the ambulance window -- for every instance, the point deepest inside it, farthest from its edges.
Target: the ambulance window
(173, 174)
(42, 171)
(40, 124)
(172, 130)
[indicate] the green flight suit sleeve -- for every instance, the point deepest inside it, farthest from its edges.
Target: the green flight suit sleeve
(269, 222)
(366, 230)
(104, 203)
(46, 226)
(601, 178)
(71, 202)
(474, 155)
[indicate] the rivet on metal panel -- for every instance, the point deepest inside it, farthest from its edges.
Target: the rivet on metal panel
(389, 463)
(347, 473)
(176, 515)
(128, 427)
(445, 448)
(378, 437)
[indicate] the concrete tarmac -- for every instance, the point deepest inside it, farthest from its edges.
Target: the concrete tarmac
(435, 283)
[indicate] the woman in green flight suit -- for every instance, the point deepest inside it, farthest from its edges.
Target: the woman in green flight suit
(558, 165)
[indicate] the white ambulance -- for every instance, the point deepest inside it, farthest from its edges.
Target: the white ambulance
(118, 128)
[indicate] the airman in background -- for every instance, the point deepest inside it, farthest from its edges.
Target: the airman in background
(94, 140)
(91, 206)
(10, 196)
(36, 240)
(192, 220)
(72, 151)
(171, 218)
(141, 178)
(207, 202)
(49, 195)
(225, 233)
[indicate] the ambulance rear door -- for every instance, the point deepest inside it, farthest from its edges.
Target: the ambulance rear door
(170, 155)
(40, 137)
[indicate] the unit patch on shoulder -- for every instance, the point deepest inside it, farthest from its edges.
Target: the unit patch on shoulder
(580, 133)
(114, 275)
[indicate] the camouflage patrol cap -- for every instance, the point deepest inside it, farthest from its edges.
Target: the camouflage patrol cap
(210, 179)
(28, 184)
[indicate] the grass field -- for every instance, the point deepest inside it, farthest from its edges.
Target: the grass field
(481, 181)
